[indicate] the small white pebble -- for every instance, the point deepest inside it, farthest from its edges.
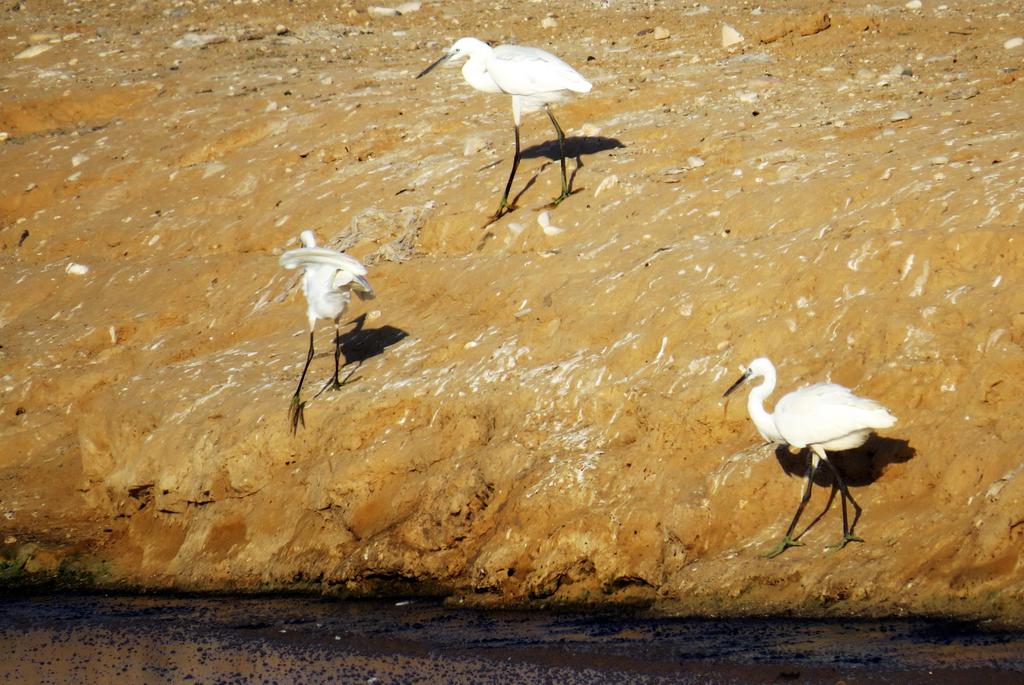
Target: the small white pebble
(548, 23)
(607, 183)
(1013, 43)
(913, 5)
(900, 115)
(77, 269)
(544, 219)
(730, 36)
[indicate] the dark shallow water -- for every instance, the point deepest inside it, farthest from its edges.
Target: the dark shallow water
(118, 639)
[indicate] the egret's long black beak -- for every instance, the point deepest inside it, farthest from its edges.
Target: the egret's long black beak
(444, 58)
(738, 383)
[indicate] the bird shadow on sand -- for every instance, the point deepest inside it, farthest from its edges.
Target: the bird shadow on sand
(859, 467)
(575, 148)
(361, 343)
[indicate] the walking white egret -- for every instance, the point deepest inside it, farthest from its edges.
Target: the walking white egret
(824, 417)
(328, 279)
(534, 78)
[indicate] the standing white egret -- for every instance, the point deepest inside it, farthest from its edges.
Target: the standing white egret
(824, 416)
(328, 278)
(534, 78)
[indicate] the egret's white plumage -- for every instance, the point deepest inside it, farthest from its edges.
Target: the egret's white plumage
(328, 279)
(824, 417)
(533, 77)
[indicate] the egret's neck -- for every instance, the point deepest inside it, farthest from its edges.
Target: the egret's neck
(764, 421)
(475, 73)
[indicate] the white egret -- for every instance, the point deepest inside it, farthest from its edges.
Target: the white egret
(328, 278)
(534, 78)
(824, 417)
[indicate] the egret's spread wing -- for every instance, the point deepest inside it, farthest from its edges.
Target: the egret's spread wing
(363, 288)
(825, 412)
(347, 279)
(322, 256)
(522, 70)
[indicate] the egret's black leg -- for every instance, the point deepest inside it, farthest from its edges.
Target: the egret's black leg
(508, 186)
(561, 151)
(296, 410)
(848, 535)
(334, 383)
(788, 541)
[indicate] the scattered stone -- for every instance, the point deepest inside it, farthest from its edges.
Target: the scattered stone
(43, 37)
(282, 30)
(74, 269)
(694, 162)
(34, 51)
(473, 145)
(661, 33)
(213, 168)
(900, 115)
(79, 159)
(939, 160)
(4, 135)
(914, 5)
(746, 96)
(548, 23)
(407, 7)
(963, 93)
(901, 70)
(544, 219)
(198, 40)
(730, 36)
(589, 130)
(382, 11)
(326, 80)
(1013, 43)
(864, 75)
(607, 183)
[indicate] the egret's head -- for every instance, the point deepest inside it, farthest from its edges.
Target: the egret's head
(757, 368)
(463, 47)
(307, 238)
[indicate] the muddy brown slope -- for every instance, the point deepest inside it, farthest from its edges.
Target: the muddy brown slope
(527, 415)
